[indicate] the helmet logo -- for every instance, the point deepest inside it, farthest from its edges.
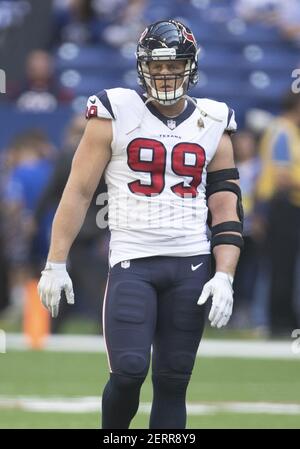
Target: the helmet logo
(143, 34)
(188, 36)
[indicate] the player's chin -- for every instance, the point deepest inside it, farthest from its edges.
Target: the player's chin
(165, 89)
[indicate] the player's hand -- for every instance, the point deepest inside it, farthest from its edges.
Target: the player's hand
(54, 279)
(220, 289)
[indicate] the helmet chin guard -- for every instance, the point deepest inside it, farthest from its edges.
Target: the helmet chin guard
(166, 41)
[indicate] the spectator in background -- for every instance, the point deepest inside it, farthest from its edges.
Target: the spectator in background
(127, 24)
(288, 20)
(257, 121)
(41, 92)
(29, 166)
(16, 251)
(13, 239)
(85, 22)
(32, 163)
(285, 15)
(4, 294)
(76, 23)
(257, 10)
(120, 10)
(88, 255)
(279, 201)
(248, 164)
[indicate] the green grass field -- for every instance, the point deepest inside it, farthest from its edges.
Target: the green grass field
(49, 374)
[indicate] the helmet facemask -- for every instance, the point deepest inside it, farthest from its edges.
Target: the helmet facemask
(181, 81)
(168, 88)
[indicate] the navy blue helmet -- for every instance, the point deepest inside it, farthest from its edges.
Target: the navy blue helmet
(167, 40)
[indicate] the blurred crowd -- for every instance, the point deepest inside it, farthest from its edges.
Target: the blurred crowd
(285, 15)
(33, 173)
(267, 279)
(81, 22)
(32, 179)
(116, 24)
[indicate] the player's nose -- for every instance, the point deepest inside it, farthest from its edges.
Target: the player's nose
(165, 70)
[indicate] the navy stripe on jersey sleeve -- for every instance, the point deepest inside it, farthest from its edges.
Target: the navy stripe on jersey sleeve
(103, 97)
(230, 112)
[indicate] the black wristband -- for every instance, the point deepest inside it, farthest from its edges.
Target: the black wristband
(227, 239)
(233, 226)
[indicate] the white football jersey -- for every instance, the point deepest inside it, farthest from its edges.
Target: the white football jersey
(156, 177)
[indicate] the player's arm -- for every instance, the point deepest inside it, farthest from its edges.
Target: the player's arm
(225, 220)
(225, 208)
(89, 162)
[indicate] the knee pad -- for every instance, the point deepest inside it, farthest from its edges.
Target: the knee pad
(125, 383)
(171, 386)
(181, 363)
(132, 364)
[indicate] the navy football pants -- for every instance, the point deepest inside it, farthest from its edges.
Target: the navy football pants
(153, 301)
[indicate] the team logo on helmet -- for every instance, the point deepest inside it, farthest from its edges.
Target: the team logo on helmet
(188, 36)
(143, 34)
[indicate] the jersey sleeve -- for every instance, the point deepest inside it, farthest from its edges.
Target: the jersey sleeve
(231, 125)
(99, 105)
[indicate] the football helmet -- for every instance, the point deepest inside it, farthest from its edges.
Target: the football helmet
(167, 40)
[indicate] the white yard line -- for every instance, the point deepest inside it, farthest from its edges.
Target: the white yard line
(208, 348)
(93, 404)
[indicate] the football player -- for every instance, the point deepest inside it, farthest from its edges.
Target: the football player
(168, 164)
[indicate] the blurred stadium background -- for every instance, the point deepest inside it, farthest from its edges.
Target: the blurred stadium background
(54, 55)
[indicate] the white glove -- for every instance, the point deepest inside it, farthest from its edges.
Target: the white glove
(54, 279)
(220, 288)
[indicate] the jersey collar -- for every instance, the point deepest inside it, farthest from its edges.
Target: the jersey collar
(170, 122)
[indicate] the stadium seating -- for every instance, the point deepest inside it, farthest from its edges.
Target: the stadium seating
(52, 123)
(244, 64)
(248, 63)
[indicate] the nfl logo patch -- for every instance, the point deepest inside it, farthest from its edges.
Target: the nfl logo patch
(125, 264)
(171, 124)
